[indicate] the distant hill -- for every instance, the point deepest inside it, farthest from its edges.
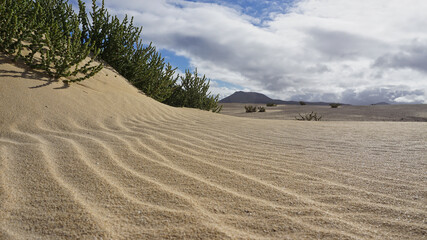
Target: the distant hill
(247, 97)
(381, 103)
(254, 97)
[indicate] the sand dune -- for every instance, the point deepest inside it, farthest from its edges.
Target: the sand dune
(100, 160)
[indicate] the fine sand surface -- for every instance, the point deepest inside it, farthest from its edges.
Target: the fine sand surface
(401, 113)
(100, 160)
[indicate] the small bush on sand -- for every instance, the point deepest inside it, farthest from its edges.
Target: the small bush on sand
(334, 105)
(250, 108)
(261, 109)
(309, 117)
(271, 104)
(302, 103)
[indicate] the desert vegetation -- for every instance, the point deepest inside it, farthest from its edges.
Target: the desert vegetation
(48, 35)
(45, 34)
(250, 108)
(193, 92)
(302, 103)
(271, 105)
(335, 105)
(309, 117)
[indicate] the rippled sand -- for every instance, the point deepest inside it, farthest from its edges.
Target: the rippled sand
(99, 159)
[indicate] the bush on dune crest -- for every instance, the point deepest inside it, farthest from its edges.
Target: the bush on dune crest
(45, 34)
(121, 47)
(57, 40)
(193, 92)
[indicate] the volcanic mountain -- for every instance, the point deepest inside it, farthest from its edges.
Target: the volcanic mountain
(254, 97)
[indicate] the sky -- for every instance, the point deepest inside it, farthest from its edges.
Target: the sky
(355, 52)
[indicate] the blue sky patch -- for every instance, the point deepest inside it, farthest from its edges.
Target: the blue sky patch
(220, 84)
(181, 62)
(254, 8)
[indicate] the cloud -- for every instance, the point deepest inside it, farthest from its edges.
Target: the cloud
(343, 45)
(391, 94)
(223, 89)
(330, 50)
(412, 56)
(388, 94)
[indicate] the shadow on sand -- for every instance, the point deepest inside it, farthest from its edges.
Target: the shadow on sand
(27, 73)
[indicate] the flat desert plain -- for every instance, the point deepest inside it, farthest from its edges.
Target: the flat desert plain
(395, 113)
(99, 160)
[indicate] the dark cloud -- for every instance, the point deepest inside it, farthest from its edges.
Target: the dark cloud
(413, 57)
(390, 95)
(318, 68)
(344, 45)
(200, 46)
(311, 96)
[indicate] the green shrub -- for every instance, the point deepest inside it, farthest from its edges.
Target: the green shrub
(217, 109)
(15, 24)
(334, 105)
(250, 108)
(121, 47)
(48, 32)
(309, 117)
(271, 104)
(261, 109)
(193, 92)
(302, 103)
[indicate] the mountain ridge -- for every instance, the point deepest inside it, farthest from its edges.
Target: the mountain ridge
(254, 97)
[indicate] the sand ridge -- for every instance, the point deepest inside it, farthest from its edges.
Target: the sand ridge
(101, 160)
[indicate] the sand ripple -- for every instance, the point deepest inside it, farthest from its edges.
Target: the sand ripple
(142, 170)
(171, 178)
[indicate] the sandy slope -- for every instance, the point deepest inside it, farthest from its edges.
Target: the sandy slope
(99, 159)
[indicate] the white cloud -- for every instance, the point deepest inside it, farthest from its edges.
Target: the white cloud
(223, 91)
(410, 99)
(329, 50)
